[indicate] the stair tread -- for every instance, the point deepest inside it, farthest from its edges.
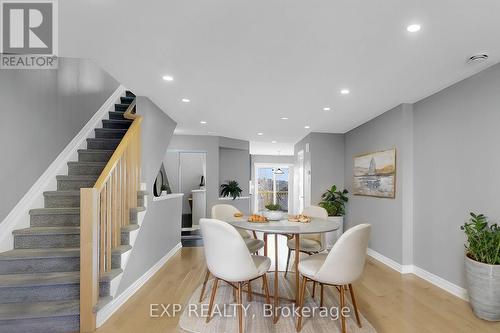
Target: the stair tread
(88, 163)
(16, 311)
(47, 231)
(76, 177)
(50, 279)
(122, 121)
(55, 211)
(121, 130)
(52, 253)
(130, 227)
(95, 151)
(66, 230)
(63, 193)
(105, 139)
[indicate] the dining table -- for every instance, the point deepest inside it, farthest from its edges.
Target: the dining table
(290, 229)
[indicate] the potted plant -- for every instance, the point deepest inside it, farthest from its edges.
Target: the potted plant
(231, 189)
(273, 212)
(333, 201)
(482, 266)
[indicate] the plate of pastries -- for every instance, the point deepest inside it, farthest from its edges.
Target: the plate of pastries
(255, 218)
(299, 218)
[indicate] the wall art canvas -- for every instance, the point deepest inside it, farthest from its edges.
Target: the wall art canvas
(375, 174)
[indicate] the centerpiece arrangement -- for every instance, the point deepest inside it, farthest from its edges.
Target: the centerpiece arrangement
(273, 212)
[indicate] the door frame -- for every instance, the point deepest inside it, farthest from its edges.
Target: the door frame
(257, 166)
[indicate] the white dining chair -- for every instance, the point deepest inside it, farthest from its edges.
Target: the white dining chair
(225, 211)
(228, 260)
(222, 212)
(308, 243)
(343, 265)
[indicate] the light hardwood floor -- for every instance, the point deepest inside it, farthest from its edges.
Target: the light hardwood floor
(390, 301)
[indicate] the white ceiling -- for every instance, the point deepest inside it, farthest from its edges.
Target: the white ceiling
(246, 64)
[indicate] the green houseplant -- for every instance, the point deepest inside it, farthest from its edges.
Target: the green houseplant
(273, 207)
(230, 189)
(482, 266)
(334, 201)
(273, 212)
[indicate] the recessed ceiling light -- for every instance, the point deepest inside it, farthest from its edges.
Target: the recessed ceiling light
(186, 100)
(284, 118)
(274, 141)
(168, 78)
(203, 122)
(260, 133)
(307, 127)
(326, 108)
(413, 28)
(345, 91)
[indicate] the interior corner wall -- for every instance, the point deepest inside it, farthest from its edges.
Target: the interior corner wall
(326, 154)
(457, 159)
(234, 164)
(388, 217)
(234, 153)
(160, 230)
(209, 145)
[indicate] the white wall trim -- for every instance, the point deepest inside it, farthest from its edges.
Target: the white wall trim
(18, 217)
(441, 283)
(116, 303)
(388, 262)
(421, 273)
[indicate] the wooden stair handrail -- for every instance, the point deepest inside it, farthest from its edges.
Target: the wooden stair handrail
(104, 210)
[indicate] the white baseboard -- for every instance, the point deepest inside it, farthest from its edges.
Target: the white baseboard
(403, 269)
(441, 283)
(421, 273)
(117, 302)
(18, 217)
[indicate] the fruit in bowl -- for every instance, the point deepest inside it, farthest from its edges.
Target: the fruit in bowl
(273, 212)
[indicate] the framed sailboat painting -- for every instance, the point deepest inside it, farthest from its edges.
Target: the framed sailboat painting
(375, 174)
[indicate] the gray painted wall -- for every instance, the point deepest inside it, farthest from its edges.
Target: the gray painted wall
(42, 111)
(235, 153)
(161, 229)
(200, 143)
(457, 161)
(389, 130)
(234, 164)
(327, 161)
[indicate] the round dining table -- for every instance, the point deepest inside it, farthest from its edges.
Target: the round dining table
(289, 229)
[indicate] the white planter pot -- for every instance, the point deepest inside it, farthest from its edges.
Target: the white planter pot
(333, 236)
(273, 215)
(483, 285)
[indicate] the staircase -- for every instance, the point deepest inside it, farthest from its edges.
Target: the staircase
(40, 278)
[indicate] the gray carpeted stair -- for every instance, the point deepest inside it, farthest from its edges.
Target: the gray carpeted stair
(40, 277)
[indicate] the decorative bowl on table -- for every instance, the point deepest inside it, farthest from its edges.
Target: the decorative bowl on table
(273, 215)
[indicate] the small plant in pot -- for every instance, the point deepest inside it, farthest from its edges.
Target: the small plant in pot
(333, 201)
(482, 266)
(273, 212)
(231, 189)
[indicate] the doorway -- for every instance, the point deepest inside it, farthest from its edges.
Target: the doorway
(272, 184)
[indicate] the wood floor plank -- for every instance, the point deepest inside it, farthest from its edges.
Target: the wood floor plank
(392, 302)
